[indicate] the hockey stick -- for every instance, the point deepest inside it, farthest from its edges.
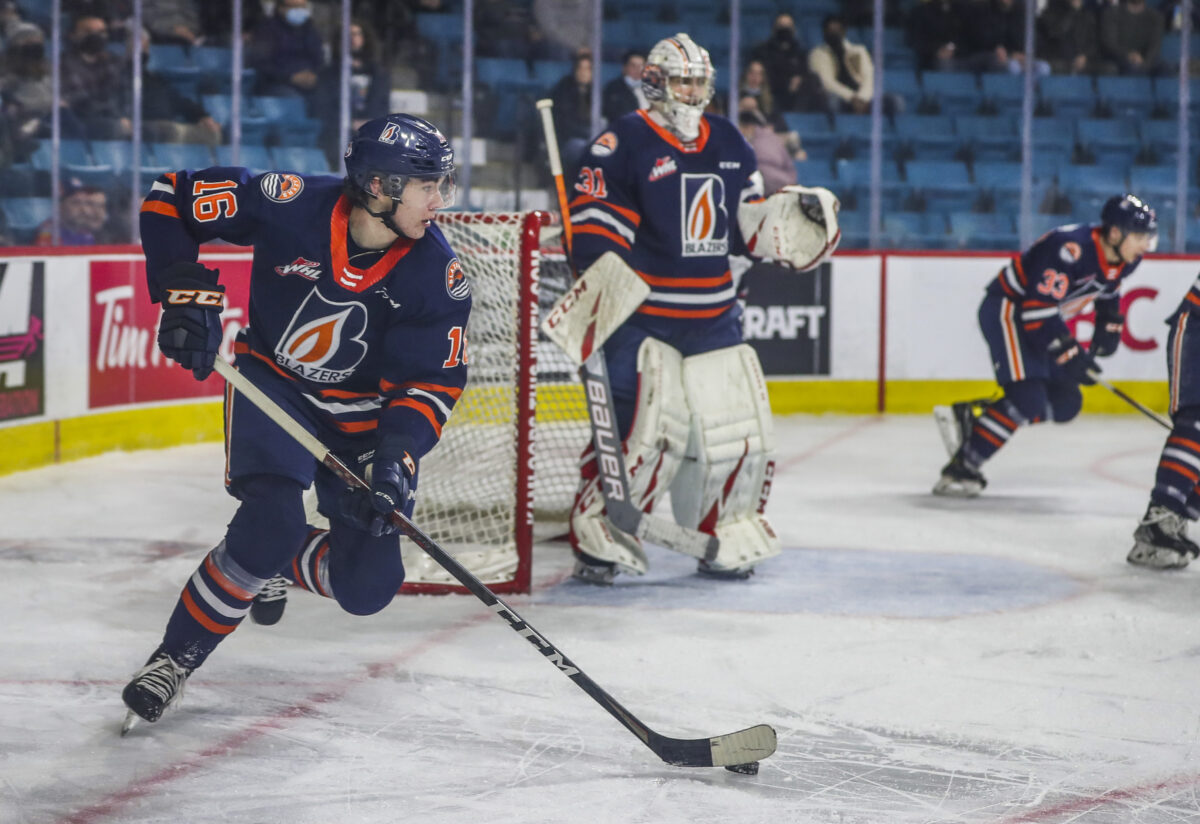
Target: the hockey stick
(602, 417)
(1149, 413)
(739, 751)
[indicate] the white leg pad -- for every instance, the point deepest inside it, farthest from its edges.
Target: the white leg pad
(653, 452)
(723, 484)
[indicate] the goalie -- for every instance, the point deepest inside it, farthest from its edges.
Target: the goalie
(673, 192)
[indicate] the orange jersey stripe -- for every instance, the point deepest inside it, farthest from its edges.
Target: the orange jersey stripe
(630, 215)
(1190, 444)
(452, 391)
(423, 409)
(161, 208)
(587, 229)
(203, 620)
(1181, 469)
(699, 283)
(988, 436)
(1004, 419)
(354, 426)
(223, 582)
(663, 312)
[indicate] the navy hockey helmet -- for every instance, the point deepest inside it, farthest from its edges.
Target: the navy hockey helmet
(398, 148)
(1129, 214)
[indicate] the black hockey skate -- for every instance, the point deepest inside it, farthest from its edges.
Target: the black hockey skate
(960, 479)
(154, 688)
(268, 605)
(594, 571)
(1161, 541)
(724, 573)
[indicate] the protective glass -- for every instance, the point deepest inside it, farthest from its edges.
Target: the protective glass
(394, 186)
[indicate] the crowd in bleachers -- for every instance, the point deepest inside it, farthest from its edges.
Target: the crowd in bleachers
(1105, 111)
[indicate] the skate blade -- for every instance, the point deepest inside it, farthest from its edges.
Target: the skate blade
(948, 488)
(131, 720)
(948, 429)
(1154, 557)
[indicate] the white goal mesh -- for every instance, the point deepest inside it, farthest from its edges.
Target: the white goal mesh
(507, 459)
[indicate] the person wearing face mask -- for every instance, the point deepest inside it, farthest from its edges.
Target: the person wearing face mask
(173, 21)
(844, 68)
(167, 114)
(287, 51)
(624, 94)
(786, 62)
(25, 82)
(95, 83)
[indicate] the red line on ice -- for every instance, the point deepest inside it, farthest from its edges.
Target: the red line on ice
(1138, 792)
(853, 430)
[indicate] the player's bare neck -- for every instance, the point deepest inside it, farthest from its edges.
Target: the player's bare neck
(368, 231)
(1111, 255)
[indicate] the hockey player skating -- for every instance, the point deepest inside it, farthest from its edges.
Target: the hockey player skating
(357, 314)
(1037, 362)
(673, 192)
(1160, 540)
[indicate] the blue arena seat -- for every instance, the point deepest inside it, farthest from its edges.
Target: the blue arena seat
(1002, 181)
(975, 230)
(177, 156)
(905, 83)
(988, 137)
(303, 159)
(255, 158)
(945, 185)
(1068, 95)
(23, 215)
(1166, 95)
(1111, 135)
(954, 92)
(70, 152)
(854, 133)
(1003, 93)
(1131, 95)
(914, 230)
(1156, 184)
(854, 180)
(926, 136)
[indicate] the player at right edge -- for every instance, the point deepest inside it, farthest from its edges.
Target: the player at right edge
(663, 198)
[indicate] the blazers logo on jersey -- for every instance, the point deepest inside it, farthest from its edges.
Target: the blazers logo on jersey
(281, 187)
(323, 342)
(705, 229)
(308, 269)
(457, 285)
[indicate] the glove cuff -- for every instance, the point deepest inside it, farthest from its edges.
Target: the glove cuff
(186, 275)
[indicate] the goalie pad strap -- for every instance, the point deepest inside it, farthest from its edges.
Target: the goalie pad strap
(591, 310)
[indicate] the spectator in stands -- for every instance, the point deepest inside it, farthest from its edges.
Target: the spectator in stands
(370, 87)
(753, 92)
(936, 32)
(10, 21)
(623, 94)
(786, 62)
(572, 96)
(84, 212)
(95, 83)
(168, 115)
(776, 163)
(995, 38)
(508, 29)
(173, 21)
(287, 51)
(1131, 36)
(1068, 39)
(25, 84)
(844, 68)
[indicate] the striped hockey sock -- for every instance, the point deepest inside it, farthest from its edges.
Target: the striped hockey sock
(213, 602)
(1179, 470)
(310, 569)
(991, 431)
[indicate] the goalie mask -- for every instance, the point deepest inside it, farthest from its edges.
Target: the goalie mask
(678, 82)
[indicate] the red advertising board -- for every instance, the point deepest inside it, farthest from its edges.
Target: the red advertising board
(124, 364)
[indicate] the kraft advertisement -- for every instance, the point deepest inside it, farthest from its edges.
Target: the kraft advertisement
(788, 320)
(125, 365)
(22, 348)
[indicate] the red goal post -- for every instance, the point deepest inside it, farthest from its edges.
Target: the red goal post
(508, 455)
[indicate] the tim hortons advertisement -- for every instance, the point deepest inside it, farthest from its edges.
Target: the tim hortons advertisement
(125, 365)
(22, 349)
(787, 319)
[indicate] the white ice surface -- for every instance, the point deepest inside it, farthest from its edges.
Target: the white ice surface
(923, 660)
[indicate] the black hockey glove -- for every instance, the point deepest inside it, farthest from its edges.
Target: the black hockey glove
(391, 480)
(1107, 336)
(1070, 357)
(190, 331)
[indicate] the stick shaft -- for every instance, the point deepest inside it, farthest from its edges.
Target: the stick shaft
(755, 743)
(546, 110)
(1149, 413)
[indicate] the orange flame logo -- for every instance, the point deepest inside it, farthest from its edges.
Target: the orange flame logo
(702, 214)
(314, 343)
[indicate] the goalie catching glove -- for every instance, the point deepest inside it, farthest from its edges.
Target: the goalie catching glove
(190, 330)
(796, 227)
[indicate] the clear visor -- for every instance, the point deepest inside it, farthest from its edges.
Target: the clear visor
(419, 190)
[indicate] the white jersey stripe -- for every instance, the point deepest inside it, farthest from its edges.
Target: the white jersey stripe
(606, 218)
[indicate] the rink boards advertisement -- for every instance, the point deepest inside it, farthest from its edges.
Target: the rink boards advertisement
(80, 372)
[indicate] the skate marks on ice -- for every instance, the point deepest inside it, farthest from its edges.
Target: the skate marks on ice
(896, 584)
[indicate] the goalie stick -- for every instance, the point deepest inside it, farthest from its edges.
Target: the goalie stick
(602, 416)
(739, 751)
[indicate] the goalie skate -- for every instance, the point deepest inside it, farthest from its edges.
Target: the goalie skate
(154, 688)
(1161, 542)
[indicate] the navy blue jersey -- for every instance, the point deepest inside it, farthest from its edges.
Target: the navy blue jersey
(373, 350)
(669, 209)
(1057, 277)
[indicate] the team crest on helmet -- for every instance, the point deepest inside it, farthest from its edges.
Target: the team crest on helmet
(389, 134)
(281, 187)
(605, 145)
(457, 285)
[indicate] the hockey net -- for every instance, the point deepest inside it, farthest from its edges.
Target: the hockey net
(505, 469)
